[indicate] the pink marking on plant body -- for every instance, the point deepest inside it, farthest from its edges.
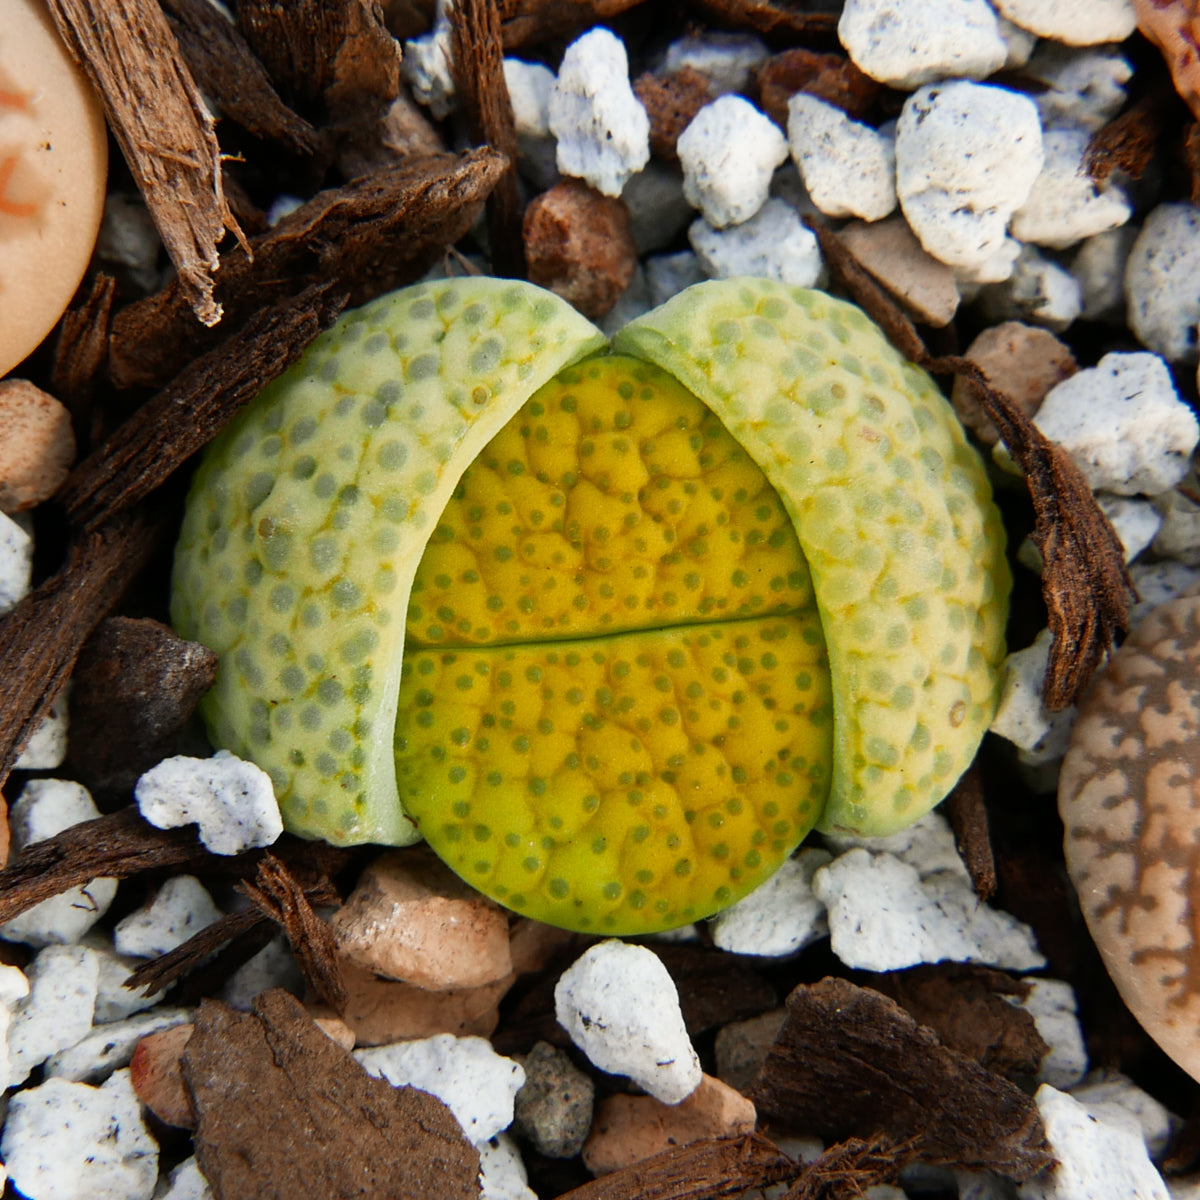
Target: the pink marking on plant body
(12, 208)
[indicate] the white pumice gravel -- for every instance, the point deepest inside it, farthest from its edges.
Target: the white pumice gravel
(781, 916)
(669, 274)
(1085, 89)
(57, 1013)
(905, 44)
(602, 129)
(1099, 268)
(1158, 582)
(728, 60)
(621, 1008)
(47, 747)
(1074, 22)
(728, 152)
(180, 908)
(230, 799)
(967, 155)
(465, 1073)
(1162, 282)
(1065, 205)
(1055, 1012)
(927, 844)
(184, 1182)
(44, 808)
(1134, 520)
(1123, 424)
(502, 1174)
(773, 244)
(71, 1141)
(426, 66)
(106, 1048)
(14, 987)
(1112, 1097)
(114, 1001)
(1096, 1160)
(848, 168)
(529, 87)
(883, 915)
(658, 210)
(1038, 291)
(16, 563)
(273, 966)
(1021, 716)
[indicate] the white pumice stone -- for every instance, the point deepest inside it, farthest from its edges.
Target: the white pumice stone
(967, 155)
(46, 807)
(1052, 1004)
(184, 1182)
(883, 915)
(848, 168)
(658, 210)
(620, 1007)
(982, 1185)
(231, 800)
(1123, 424)
(669, 274)
(905, 43)
(927, 845)
(1085, 89)
(57, 1013)
(16, 563)
(1018, 42)
(1065, 205)
(14, 988)
(1134, 520)
(1099, 269)
(773, 244)
(273, 966)
(1074, 22)
(181, 908)
(727, 59)
(95, 1056)
(466, 1074)
(1158, 582)
(728, 152)
(71, 1141)
(602, 129)
(1115, 1098)
(996, 268)
(1021, 716)
(1162, 282)
(426, 66)
(47, 748)
(631, 303)
(780, 916)
(502, 1174)
(1039, 291)
(1096, 1160)
(529, 86)
(114, 1001)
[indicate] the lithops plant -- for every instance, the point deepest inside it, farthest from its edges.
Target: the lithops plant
(1128, 798)
(611, 626)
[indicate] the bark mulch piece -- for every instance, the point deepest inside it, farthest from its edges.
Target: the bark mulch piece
(830, 77)
(1085, 582)
(967, 814)
(525, 21)
(845, 1171)
(967, 1006)
(135, 685)
(81, 356)
(369, 236)
(849, 1062)
(282, 1112)
(710, 1169)
(671, 102)
(773, 17)
(158, 117)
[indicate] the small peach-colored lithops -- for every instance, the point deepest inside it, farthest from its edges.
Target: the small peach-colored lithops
(1129, 794)
(53, 170)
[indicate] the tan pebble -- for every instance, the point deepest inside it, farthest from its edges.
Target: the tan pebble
(1129, 796)
(628, 1129)
(53, 173)
(889, 250)
(1019, 360)
(742, 1047)
(411, 918)
(37, 445)
(336, 1030)
(157, 1076)
(578, 244)
(380, 1011)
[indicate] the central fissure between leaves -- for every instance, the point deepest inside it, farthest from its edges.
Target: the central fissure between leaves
(615, 709)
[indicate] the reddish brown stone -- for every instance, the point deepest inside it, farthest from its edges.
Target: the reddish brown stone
(37, 445)
(158, 1079)
(671, 101)
(827, 76)
(578, 244)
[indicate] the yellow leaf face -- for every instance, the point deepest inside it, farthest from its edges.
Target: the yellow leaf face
(613, 633)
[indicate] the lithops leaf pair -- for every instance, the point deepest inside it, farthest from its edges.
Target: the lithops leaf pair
(611, 626)
(1129, 795)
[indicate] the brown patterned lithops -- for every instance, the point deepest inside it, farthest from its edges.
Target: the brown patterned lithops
(1129, 795)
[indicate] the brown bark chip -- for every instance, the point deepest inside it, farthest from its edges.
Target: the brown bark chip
(671, 102)
(525, 21)
(851, 1063)
(81, 355)
(967, 811)
(830, 77)
(282, 1112)
(135, 685)
(158, 117)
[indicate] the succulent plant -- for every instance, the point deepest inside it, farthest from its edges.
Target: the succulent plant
(611, 627)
